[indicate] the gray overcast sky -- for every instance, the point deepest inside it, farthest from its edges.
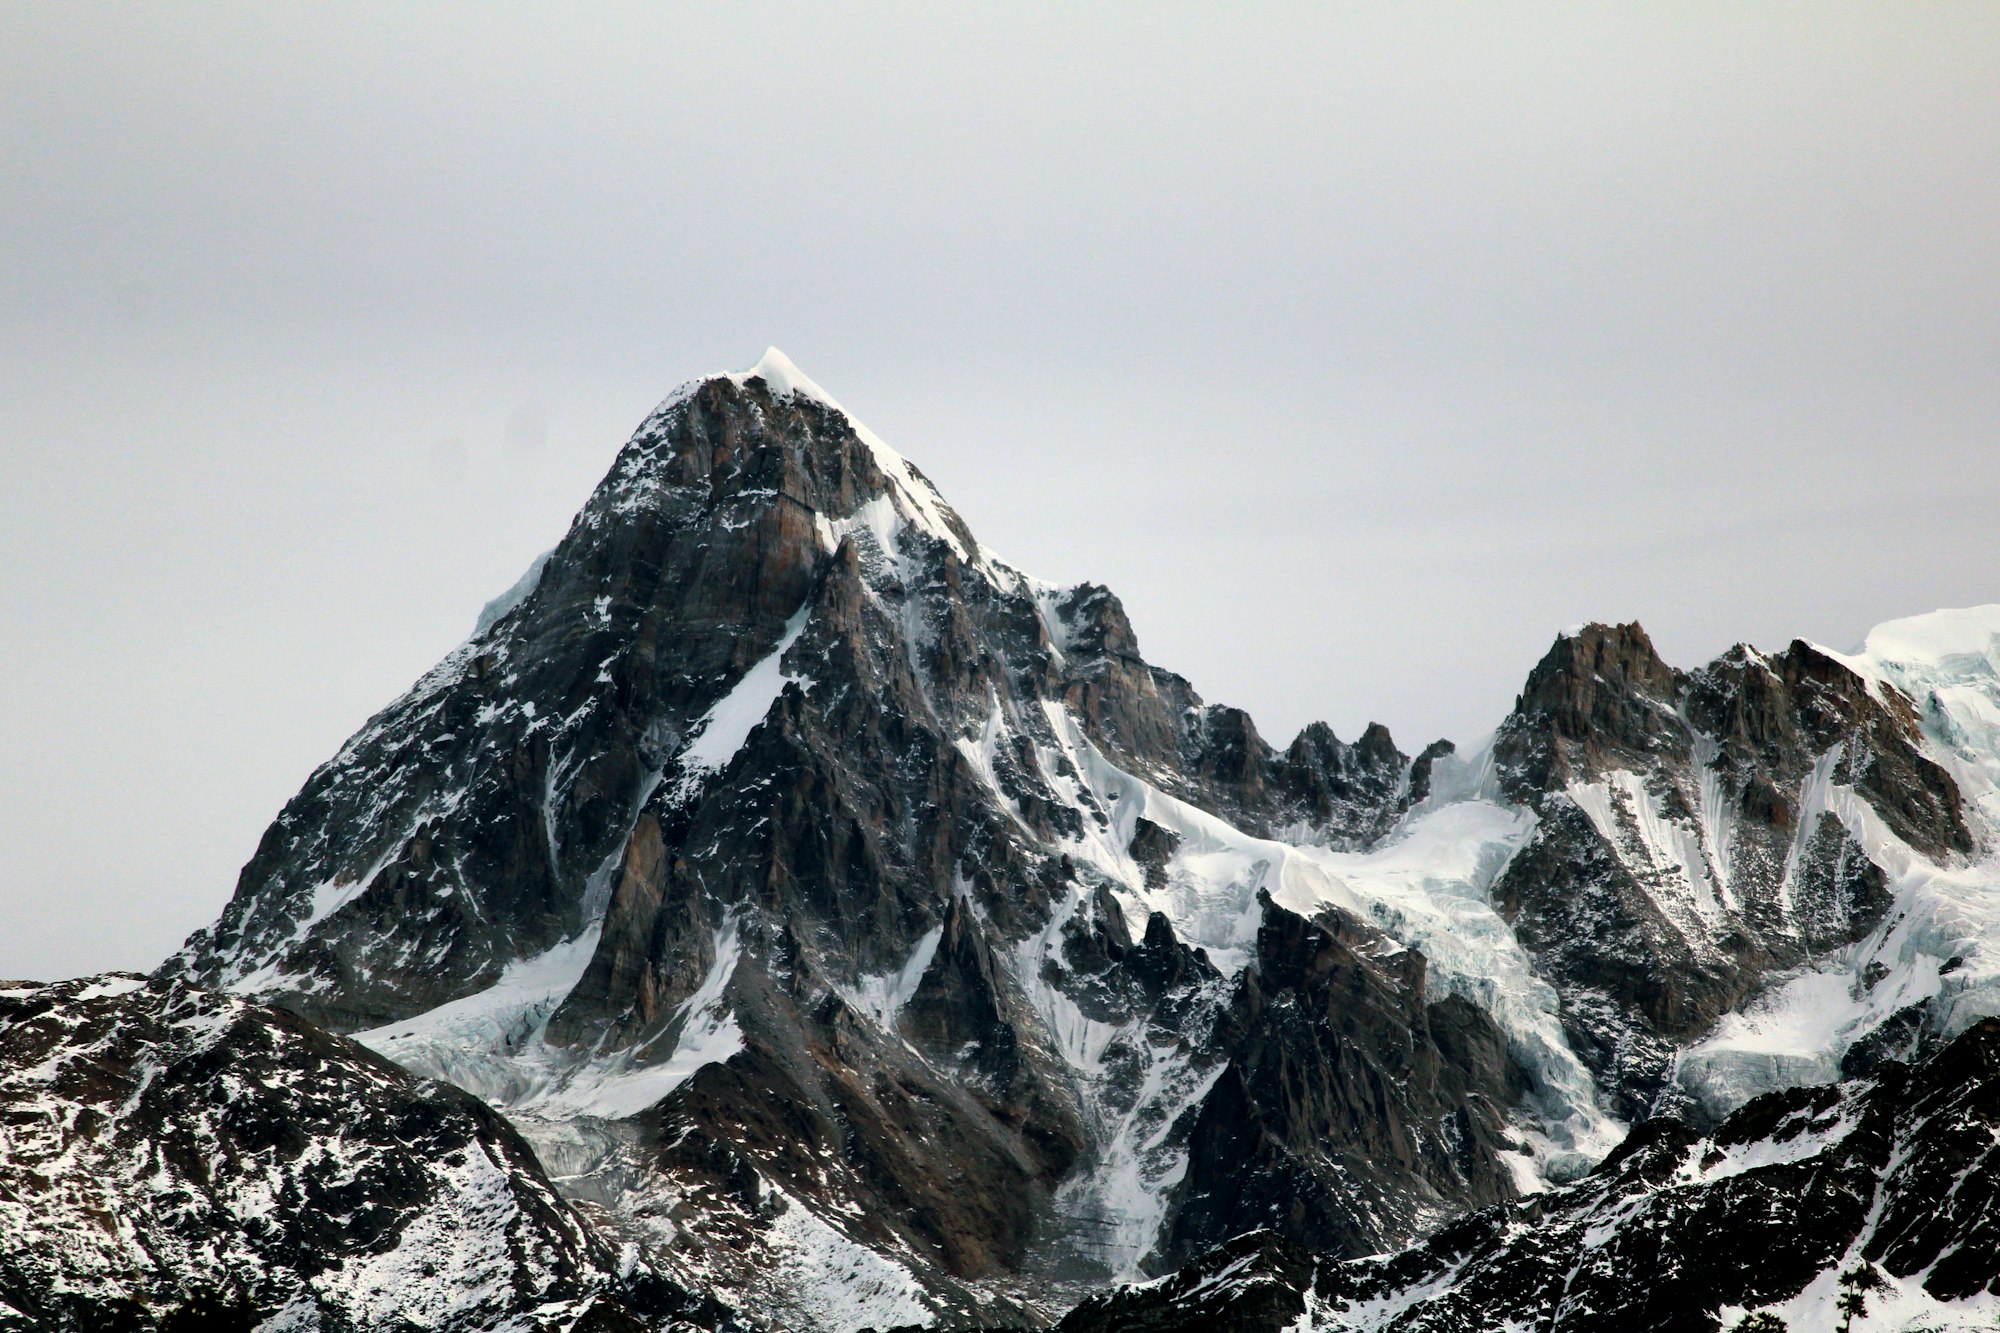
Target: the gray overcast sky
(1358, 349)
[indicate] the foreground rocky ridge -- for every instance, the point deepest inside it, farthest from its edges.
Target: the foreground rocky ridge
(862, 931)
(1887, 1187)
(179, 1159)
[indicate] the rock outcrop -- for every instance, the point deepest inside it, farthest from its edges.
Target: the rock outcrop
(1353, 1110)
(177, 1159)
(1687, 846)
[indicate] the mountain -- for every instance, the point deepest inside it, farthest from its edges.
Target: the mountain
(1699, 832)
(177, 1159)
(774, 855)
(1883, 1187)
(867, 934)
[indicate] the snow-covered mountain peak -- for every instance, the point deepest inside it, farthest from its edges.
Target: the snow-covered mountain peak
(916, 500)
(768, 789)
(784, 377)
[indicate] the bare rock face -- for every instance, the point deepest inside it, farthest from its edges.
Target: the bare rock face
(1353, 1111)
(1600, 699)
(1686, 847)
(174, 1158)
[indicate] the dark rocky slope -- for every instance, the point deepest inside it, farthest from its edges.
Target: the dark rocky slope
(1352, 1109)
(178, 1159)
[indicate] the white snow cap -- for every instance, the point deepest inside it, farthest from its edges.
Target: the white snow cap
(1972, 631)
(776, 369)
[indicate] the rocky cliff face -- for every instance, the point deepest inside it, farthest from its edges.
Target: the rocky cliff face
(1352, 1110)
(864, 932)
(177, 1159)
(1880, 1188)
(1688, 846)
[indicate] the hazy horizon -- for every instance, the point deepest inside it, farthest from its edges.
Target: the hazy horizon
(1358, 350)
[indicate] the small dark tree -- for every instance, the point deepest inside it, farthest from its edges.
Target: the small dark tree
(1855, 1284)
(1761, 1322)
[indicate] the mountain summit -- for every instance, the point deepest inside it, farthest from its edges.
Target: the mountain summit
(869, 935)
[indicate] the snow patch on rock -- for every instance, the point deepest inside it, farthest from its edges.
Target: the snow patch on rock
(838, 1285)
(721, 731)
(882, 995)
(493, 1043)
